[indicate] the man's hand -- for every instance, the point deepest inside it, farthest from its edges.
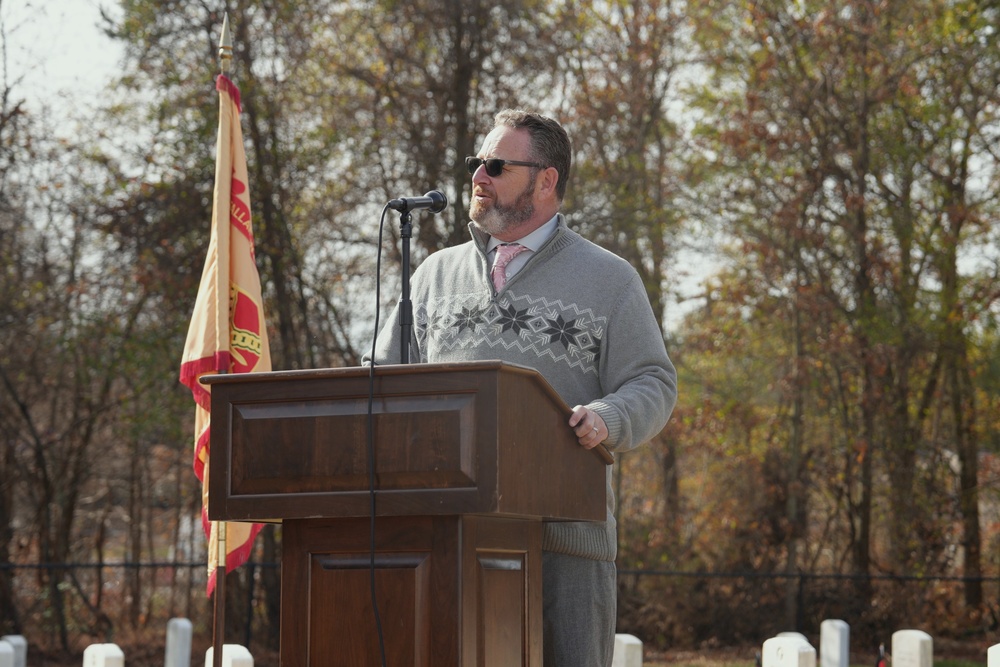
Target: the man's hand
(589, 427)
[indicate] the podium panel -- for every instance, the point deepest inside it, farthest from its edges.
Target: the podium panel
(450, 590)
(481, 437)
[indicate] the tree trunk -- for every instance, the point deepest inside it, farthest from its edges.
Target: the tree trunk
(795, 503)
(9, 621)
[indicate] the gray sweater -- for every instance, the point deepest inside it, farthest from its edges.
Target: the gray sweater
(576, 313)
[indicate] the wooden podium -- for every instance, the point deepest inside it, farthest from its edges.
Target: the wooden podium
(469, 460)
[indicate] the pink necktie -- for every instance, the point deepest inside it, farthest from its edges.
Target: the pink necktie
(505, 253)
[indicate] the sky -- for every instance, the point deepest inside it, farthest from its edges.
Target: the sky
(54, 52)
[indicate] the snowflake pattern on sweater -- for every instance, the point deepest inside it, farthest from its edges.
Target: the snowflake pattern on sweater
(530, 325)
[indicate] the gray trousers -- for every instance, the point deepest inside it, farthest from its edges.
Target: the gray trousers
(579, 611)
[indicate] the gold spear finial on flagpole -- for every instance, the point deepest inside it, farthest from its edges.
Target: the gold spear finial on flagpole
(225, 45)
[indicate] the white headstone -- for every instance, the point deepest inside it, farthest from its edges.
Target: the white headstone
(20, 645)
(794, 635)
(628, 651)
(834, 643)
(788, 651)
(103, 655)
(993, 656)
(178, 652)
(912, 648)
(233, 655)
(6, 654)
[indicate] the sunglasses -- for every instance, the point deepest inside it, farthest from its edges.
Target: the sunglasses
(494, 165)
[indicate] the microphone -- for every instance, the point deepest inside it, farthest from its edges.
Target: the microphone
(434, 201)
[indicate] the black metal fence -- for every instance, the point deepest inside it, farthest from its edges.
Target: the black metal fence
(690, 609)
(76, 604)
(64, 607)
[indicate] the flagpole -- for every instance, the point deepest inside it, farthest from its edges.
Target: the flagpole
(218, 636)
(220, 595)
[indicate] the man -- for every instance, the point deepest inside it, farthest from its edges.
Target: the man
(575, 312)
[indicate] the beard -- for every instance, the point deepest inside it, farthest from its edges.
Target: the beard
(496, 218)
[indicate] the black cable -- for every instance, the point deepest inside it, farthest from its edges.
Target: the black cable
(371, 436)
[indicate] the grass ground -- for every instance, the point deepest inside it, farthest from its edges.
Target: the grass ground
(945, 655)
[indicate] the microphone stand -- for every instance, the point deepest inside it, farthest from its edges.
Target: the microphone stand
(405, 304)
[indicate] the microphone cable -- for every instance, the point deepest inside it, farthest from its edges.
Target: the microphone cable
(370, 435)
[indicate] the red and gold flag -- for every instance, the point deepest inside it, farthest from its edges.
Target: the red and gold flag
(227, 333)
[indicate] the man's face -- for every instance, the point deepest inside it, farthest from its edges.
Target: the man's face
(503, 204)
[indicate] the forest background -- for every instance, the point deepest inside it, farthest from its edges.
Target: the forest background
(834, 450)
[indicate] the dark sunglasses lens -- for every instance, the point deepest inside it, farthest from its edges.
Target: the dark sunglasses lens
(494, 167)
